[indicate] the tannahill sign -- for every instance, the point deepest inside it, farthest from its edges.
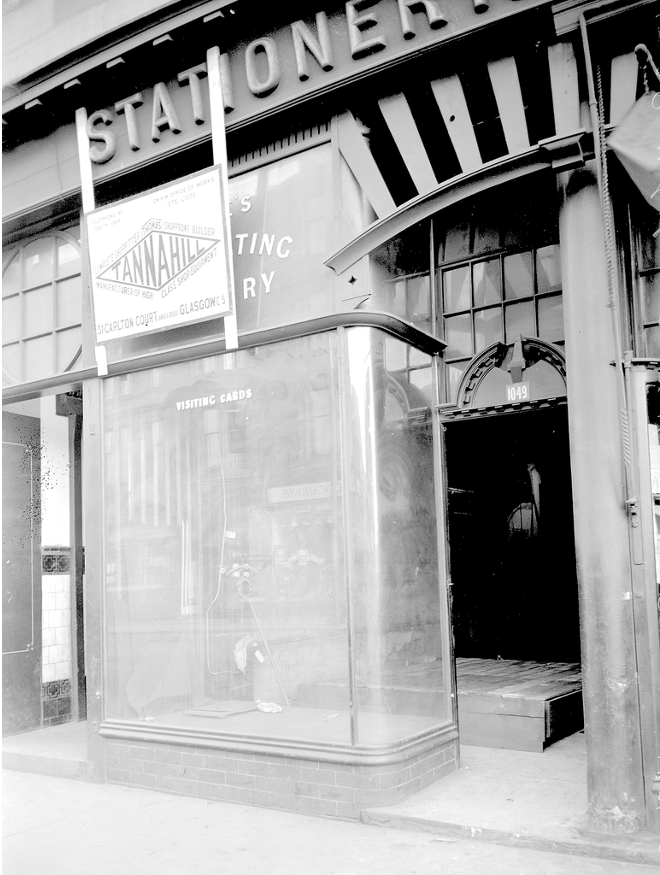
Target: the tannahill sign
(158, 260)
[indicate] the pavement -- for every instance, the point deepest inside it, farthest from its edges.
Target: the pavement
(518, 799)
(70, 827)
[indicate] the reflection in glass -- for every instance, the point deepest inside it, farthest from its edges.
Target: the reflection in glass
(486, 282)
(67, 345)
(551, 319)
(11, 362)
(38, 311)
(457, 289)
(38, 357)
(487, 327)
(548, 269)
(652, 341)
(518, 276)
(68, 302)
(395, 354)
(38, 257)
(396, 621)
(454, 373)
(11, 319)
(458, 335)
(11, 278)
(519, 319)
(230, 586)
(419, 299)
(68, 257)
(423, 380)
(650, 297)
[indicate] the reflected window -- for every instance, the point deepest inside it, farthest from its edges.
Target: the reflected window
(41, 307)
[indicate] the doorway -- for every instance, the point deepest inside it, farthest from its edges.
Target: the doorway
(43, 624)
(514, 582)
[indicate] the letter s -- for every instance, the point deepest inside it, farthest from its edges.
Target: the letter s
(245, 203)
(101, 154)
(248, 393)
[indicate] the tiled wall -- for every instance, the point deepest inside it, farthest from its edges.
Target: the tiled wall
(56, 636)
(310, 786)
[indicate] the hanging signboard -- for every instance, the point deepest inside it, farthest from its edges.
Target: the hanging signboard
(159, 259)
(636, 141)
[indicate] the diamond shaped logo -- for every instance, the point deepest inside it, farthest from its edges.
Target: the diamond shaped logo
(157, 258)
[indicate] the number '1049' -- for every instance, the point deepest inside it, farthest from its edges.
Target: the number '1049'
(518, 392)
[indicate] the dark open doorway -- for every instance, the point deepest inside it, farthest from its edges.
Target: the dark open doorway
(514, 583)
(511, 538)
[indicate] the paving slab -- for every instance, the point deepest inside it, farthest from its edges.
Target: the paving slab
(519, 799)
(73, 828)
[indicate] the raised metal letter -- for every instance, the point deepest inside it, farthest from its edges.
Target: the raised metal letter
(320, 48)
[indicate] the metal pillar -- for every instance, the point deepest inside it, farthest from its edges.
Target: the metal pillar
(612, 723)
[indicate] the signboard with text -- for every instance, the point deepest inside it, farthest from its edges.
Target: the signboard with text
(159, 260)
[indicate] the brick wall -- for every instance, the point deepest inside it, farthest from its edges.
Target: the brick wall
(310, 786)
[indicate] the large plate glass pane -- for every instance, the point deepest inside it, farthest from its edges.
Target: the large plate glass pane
(398, 633)
(225, 580)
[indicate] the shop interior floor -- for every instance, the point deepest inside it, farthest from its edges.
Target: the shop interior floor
(513, 704)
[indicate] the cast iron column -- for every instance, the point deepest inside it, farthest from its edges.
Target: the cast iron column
(614, 766)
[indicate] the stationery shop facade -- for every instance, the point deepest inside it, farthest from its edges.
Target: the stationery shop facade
(270, 570)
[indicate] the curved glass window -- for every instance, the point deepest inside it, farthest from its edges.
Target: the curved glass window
(271, 545)
(41, 307)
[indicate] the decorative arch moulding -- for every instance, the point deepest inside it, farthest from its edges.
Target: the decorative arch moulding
(530, 364)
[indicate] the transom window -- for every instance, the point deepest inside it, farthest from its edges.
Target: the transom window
(41, 307)
(499, 273)
(484, 271)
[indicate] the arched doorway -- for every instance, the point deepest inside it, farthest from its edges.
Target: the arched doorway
(511, 546)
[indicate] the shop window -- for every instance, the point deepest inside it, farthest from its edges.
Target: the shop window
(239, 501)
(41, 307)
(498, 273)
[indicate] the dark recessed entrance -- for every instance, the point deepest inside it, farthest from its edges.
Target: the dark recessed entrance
(514, 585)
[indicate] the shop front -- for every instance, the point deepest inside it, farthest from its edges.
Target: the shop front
(322, 551)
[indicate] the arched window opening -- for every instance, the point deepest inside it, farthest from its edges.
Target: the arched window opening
(41, 307)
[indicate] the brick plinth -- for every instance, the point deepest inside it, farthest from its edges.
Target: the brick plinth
(310, 786)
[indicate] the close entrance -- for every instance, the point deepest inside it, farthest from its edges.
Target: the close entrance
(514, 584)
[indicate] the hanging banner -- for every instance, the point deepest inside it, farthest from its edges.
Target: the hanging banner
(636, 141)
(159, 259)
